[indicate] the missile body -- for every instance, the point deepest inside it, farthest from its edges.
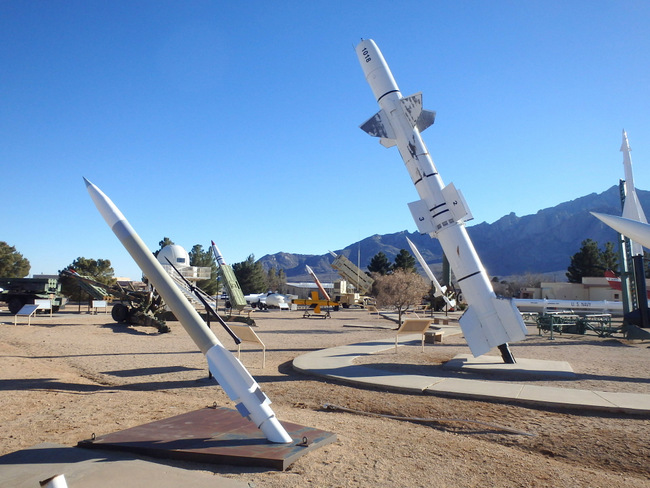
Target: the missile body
(635, 230)
(233, 289)
(632, 208)
(439, 290)
(441, 211)
(233, 377)
(320, 286)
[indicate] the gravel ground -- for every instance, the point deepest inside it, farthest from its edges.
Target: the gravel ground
(72, 375)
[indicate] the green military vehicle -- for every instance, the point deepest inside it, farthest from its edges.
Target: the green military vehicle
(17, 292)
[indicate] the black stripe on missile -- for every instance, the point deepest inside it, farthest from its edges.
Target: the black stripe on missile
(437, 206)
(440, 213)
(423, 177)
(469, 276)
(387, 93)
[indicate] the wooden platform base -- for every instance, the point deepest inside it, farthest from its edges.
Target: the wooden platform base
(214, 435)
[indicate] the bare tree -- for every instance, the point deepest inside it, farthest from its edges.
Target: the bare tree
(401, 290)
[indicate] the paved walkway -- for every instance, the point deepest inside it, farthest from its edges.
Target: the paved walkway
(338, 363)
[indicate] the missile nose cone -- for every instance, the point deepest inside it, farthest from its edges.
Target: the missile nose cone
(88, 183)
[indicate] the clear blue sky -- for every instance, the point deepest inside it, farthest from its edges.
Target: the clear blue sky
(238, 121)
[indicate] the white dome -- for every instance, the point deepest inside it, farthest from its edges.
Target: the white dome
(176, 254)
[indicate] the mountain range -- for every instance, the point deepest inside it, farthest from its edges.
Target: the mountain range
(540, 243)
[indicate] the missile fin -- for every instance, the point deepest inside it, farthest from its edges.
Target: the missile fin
(426, 119)
(502, 326)
(378, 126)
(412, 108)
(420, 212)
(387, 142)
(457, 204)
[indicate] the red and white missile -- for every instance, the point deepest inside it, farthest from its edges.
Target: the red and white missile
(319, 285)
(231, 374)
(441, 211)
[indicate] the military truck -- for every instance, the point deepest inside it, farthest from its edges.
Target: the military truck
(22, 291)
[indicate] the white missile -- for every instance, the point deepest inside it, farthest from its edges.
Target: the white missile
(439, 290)
(217, 254)
(632, 208)
(635, 230)
(231, 374)
(320, 286)
(441, 211)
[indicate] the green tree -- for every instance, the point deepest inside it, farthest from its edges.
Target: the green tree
(97, 269)
(276, 280)
(251, 276)
(12, 263)
(404, 261)
(379, 264)
(610, 257)
(401, 290)
(201, 258)
(588, 261)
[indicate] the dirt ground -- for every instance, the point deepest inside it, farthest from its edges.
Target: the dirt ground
(75, 374)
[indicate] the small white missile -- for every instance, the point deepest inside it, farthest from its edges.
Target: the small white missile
(635, 230)
(320, 286)
(632, 207)
(231, 374)
(439, 290)
(441, 211)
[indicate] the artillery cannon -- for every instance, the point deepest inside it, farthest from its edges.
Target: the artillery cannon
(134, 307)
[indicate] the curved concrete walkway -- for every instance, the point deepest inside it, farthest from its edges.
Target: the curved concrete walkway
(338, 363)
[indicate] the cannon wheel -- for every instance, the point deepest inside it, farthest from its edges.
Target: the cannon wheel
(120, 313)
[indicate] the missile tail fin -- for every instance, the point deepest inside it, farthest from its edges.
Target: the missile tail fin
(502, 326)
(379, 126)
(426, 119)
(414, 113)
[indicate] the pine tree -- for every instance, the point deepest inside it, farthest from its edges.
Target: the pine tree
(250, 275)
(12, 263)
(379, 264)
(201, 258)
(404, 261)
(588, 261)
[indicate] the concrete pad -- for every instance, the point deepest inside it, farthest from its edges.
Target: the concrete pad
(485, 390)
(627, 402)
(539, 368)
(562, 397)
(98, 469)
(338, 363)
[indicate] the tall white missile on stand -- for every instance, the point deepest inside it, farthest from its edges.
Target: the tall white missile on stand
(441, 211)
(634, 225)
(231, 374)
(632, 207)
(439, 290)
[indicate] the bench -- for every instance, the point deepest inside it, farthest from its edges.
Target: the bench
(413, 326)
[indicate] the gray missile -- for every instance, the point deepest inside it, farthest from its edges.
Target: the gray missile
(231, 374)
